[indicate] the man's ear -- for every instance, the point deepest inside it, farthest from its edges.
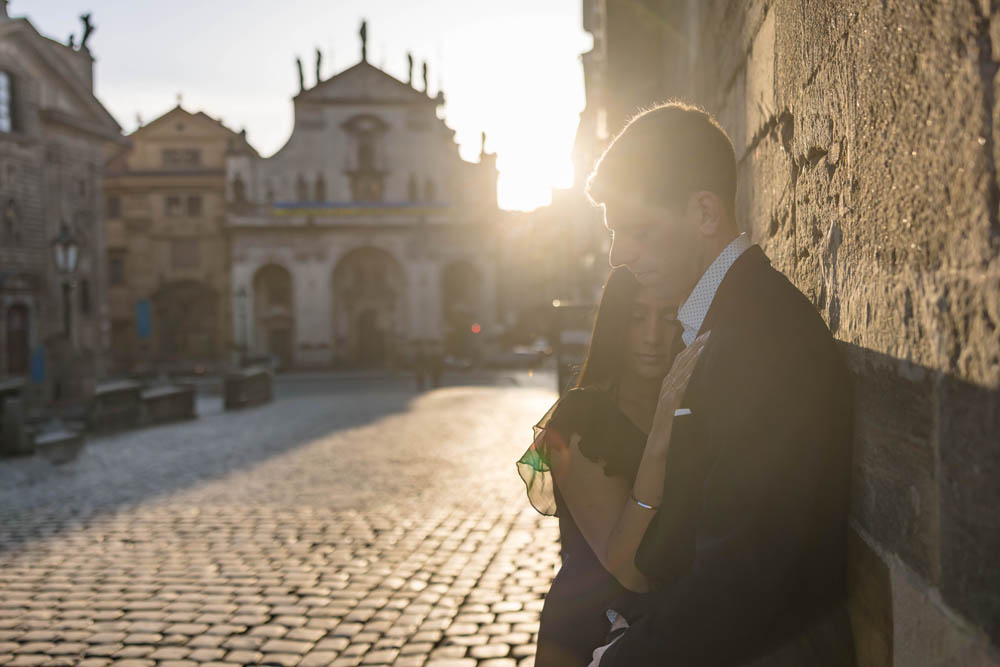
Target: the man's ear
(706, 209)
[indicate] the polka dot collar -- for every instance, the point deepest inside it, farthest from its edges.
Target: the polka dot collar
(694, 309)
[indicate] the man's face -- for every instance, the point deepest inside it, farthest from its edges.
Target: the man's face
(660, 246)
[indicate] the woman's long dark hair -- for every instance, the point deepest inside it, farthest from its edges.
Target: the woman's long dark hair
(606, 354)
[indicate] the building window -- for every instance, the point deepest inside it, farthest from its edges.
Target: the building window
(320, 188)
(367, 180)
(173, 206)
(194, 205)
(114, 207)
(301, 189)
(366, 152)
(6, 103)
(411, 187)
(116, 267)
(181, 158)
(11, 231)
(184, 253)
(85, 297)
(429, 190)
(239, 190)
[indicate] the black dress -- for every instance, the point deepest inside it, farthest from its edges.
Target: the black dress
(574, 620)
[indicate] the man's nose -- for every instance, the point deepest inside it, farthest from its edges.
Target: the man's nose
(623, 252)
(652, 332)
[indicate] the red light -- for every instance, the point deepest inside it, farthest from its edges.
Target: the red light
(476, 328)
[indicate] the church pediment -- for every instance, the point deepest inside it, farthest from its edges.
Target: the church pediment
(363, 83)
(196, 126)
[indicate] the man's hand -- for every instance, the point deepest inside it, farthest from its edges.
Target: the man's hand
(619, 624)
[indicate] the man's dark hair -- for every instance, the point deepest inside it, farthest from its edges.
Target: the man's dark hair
(664, 155)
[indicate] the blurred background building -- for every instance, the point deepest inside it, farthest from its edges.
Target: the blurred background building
(365, 233)
(53, 137)
(168, 253)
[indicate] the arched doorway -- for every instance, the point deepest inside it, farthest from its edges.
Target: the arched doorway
(368, 289)
(18, 339)
(185, 323)
(273, 314)
(461, 298)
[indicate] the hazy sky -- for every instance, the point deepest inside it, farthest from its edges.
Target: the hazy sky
(508, 67)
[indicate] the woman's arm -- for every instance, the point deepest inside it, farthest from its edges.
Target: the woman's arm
(609, 519)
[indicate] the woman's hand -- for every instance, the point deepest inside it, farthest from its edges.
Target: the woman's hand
(673, 389)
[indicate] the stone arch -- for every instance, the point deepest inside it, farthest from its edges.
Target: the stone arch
(369, 289)
(185, 322)
(274, 313)
(461, 307)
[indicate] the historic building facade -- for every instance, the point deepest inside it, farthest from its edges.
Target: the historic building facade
(366, 234)
(53, 138)
(168, 255)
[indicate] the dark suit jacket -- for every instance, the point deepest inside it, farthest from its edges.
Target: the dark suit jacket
(748, 547)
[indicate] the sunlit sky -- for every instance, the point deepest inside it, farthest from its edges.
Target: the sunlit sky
(509, 68)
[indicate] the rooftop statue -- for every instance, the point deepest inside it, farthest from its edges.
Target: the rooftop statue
(88, 28)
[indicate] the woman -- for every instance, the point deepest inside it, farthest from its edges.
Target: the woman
(593, 465)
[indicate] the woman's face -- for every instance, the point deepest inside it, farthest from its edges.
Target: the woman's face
(653, 329)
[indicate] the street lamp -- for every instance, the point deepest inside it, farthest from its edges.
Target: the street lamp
(66, 251)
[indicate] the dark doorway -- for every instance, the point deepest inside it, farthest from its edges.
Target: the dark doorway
(17, 340)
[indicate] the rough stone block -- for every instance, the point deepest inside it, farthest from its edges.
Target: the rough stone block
(894, 483)
(869, 604)
(969, 445)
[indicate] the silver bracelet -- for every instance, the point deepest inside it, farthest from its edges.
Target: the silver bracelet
(640, 503)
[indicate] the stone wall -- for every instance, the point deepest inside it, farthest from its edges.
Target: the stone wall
(868, 139)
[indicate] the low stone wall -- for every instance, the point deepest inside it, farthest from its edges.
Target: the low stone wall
(168, 403)
(116, 406)
(247, 387)
(868, 138)
(60, 445)
(14, 438)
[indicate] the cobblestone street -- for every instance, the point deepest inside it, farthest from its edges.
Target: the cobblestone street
(336, 526)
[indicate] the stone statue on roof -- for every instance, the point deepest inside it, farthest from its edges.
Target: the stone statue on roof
(409, 67)
(302, 78)
(319, 65)
(88, 28)
(425, 76)
(364, 40)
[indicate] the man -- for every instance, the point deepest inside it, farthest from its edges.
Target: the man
(747, 548)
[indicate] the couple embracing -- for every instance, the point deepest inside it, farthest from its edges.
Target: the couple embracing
(700, 468)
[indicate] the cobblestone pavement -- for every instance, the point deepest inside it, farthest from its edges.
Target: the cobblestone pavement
(370, 527)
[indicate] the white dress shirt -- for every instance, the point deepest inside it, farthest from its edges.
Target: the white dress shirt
(694, 309)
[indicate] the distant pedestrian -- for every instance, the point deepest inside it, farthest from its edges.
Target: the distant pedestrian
(419, 364)
(436, 362)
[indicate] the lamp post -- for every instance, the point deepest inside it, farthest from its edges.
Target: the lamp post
(241, 301)
(66, 252)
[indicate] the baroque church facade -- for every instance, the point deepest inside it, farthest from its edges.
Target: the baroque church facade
(366, 236)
